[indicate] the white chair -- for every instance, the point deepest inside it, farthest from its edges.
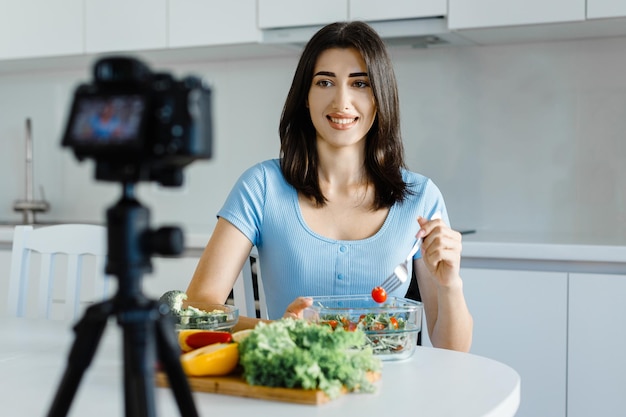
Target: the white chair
(243, 290)
(57, 246)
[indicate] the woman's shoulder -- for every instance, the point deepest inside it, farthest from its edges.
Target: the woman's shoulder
(419, 184)
(262, 174)
(262, 170)
(269, 166)
(414, 180)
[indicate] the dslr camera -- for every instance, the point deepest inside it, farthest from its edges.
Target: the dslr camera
(139, 125)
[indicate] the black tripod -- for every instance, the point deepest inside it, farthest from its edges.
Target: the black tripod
(147, 329)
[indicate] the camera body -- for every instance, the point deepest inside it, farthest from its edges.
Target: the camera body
(139, 125)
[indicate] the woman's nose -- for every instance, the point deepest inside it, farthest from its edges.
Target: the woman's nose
(341, 100)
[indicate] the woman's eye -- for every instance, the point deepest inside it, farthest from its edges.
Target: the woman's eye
(324, 83)
(361, 84)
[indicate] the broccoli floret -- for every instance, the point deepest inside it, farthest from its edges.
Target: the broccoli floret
(174, 299)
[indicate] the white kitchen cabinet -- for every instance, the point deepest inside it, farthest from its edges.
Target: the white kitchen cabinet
(290, 13)
(373, 10)
(125, 25)
(597, 342)
(40, 28)
(520, 318)
(464, 14)
(212, 22)
(5, 269)
(605, 8)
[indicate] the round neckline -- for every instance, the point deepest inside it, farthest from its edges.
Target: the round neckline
(316, 235)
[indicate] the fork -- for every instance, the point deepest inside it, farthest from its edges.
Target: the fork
(401, 272)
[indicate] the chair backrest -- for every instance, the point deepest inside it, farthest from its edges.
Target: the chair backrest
(53, 245)
(243, 290)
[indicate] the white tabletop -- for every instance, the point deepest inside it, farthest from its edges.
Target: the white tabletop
(433, 382)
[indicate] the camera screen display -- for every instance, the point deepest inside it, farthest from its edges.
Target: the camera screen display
(111, 119)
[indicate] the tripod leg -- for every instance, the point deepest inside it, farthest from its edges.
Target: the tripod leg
(139, 361)
(169, 355)
(88, 331)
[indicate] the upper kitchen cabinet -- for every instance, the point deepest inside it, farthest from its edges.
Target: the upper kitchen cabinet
(464, 14)
(125, 25)
(212, 22)
(597, 9)
(290, 13)
(399, 22)
(374, 10)
(40, 28)
(487, 22)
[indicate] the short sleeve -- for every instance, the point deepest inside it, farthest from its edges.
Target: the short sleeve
(243, 207)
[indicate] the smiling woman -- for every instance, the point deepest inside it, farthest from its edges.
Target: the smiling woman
(338, 210)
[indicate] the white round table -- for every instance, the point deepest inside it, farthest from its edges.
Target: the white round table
(432, 383)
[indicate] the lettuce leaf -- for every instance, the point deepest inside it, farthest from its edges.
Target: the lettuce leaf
(299, 354)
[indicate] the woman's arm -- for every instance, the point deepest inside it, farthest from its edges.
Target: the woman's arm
(450, 323)
(219, 267)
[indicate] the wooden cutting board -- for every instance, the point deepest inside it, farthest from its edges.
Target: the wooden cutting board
(237, 386)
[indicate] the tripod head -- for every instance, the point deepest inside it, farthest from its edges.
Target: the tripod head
(132, 243)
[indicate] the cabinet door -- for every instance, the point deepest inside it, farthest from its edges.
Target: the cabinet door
(212, 22)
(5, 270)
(124, 25)
(465, 14)
(40, 28)
(520, 318)
(372, 10)
(290, 13)
(596, 372)
(605, 8)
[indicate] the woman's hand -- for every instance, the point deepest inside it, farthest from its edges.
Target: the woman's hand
(297, 306)
(441, 250)
(450, 324)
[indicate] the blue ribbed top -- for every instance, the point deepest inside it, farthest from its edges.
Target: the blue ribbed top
(296, 261)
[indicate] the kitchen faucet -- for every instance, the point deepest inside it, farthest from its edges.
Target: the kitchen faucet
(30, 206)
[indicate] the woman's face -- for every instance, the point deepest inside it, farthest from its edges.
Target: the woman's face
(340, 101)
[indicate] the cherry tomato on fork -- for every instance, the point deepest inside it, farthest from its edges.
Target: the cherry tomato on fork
(379, 294)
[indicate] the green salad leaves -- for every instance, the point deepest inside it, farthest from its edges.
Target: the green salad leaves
(299, 354)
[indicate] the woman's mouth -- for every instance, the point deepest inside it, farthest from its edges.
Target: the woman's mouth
(342, 121)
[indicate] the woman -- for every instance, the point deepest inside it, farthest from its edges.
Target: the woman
(339, 210)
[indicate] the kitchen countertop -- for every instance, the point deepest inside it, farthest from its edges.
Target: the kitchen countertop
(479, 246)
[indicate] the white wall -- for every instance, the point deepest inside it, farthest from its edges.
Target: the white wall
(527, 139)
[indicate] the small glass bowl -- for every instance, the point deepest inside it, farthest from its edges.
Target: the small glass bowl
(206, 316)
(391, 328)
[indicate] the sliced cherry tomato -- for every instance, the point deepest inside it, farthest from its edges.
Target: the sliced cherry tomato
(350, 326)
(332, 323)
(205, 338)
(394, 322)
(379, 294)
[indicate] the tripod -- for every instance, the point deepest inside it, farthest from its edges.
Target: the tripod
(147, 328)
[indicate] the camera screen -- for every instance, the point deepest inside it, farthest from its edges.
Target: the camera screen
(102, 120)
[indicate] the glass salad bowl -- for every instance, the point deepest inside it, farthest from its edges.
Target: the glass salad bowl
(205, 316)
(391, 327)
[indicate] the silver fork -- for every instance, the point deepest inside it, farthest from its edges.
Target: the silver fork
(401, 272)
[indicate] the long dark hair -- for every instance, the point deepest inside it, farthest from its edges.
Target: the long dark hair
(384, 152)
